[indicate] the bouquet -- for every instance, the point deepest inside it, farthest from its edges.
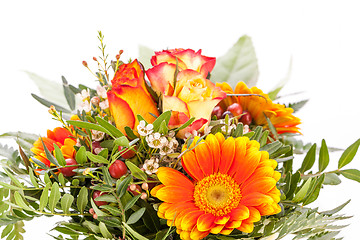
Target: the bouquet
(184, 148)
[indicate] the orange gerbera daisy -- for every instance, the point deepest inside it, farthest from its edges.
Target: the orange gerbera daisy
(59, 136)
(280, 116)
(233, 185)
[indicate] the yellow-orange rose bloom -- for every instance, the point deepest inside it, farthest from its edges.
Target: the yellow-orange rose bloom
(191, 96)
(129, 97)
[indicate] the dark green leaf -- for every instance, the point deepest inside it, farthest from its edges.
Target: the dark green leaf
(295, 178)
(348, 154)
(111, 128)
(66, 202)
(302, 192)
(39, 163)
(115, 211)
(106, 198)
(239, 130)
(352, 174)
(314, 191)
(122, 186)
(136, 216)
(271, 127)
(257, 135)
(309, 159)
(80, 156)
(97, 158)
(82, 199)
(88, 125)
(323, 156)
(136, 171)
(48, 104)
(264, 138)
(134, 233)
(49, 156)
(272, 147)
(130, 133)
(186, 124)
(164, 116)
(238, 64)
(69, 95)
(131, 203)
(107, 178)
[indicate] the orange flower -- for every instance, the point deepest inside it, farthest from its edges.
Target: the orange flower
(187, 59)
(129, 97)
(59, 136)
(191, 95)
(233, 185)
(280, 116)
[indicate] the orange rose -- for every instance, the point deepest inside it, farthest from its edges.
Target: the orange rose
(191, 96)
(129, 97)
(187, 59)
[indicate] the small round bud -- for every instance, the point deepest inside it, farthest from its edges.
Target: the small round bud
(95, 216)
(95, 100)
(235, 109)
(143, 196)
(121, 52)
(227, 113)
(91, 211)
(117, 56)
(52, 109)
(133, 187)
(84, 63)
(94, 58)
(145, 186)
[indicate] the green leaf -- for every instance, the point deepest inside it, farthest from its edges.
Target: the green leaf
(104, 231)
(48, 104)
(122, 141)
(61, 179)
(82, 199)
(130, 133)
(97, 158)
(352, 174)
(348, 154)
(273, 93)
(331, 179)
(50, 90)
(20, 202)
(88, 125)
(25, 140)
(39, 163)
(186, 124)
(54, 196)
(337, 209)
(8, 186)
(122, 186)
(106, 198)
(115, 211)
(66, 202)
(136, 171)
(111, 128)
(131, 203)
(59, 156)
(264, 138)
(32, 178)
(164, 116)
(80, 156)
(239, 130)
(309, 159)
(69, 95)
(145, 54)
(238, 64)
(6, 230)
(49, 156)
(272, 147)
(298, 105)
(302, 192)
(163, 128)
(91, 226)
(97, 210)
(44, 197)
(271, 127)
(136, 216)
(323, 156)
(134, 233)
(314, 191)
(13, 178)
(295, 178)
(107, 177)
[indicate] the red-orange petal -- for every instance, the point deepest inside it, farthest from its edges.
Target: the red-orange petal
(191, 165)
(174, 194)
(227, 155)
(246, 168)
(204, 158)
(205, 222)
(190, 220)
(255, 199)
(197, 235)
(170, 176)
(246, 227)
(155, 189)
(215, 149)
(241, 212)
(217, 229)
(240, 152)
(261, 185)
(222, 219)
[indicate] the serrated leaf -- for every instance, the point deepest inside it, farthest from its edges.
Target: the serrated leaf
(82, 199)
(66, 202)
(111, 128)
(298, 105)
(323, 156)
(349, 154)
(136, 216)
(104, 231)
(309, 159)
(59, 156)
(13, 178)
(44, 197)
(352, 174)
(80, 156)
(136, 171)
(6, 230)
(238, 64)
(54, 196)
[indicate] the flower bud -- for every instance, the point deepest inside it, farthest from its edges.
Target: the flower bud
(52, 109)
(121, 52)
(117, 56)
(95, 100)
(95, 216)
(84, 63)
(94, 58)
(145, 186)
(133, 187)
(91, 211)
(143, 196)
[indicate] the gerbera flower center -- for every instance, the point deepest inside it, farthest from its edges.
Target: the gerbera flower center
(217, 194)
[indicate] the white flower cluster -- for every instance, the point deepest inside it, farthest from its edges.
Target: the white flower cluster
(103, 103)
(85, 97)
(100, 100)
(229, 127)
(151, 165)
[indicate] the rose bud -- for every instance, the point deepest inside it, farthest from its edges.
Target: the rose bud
(118, 169)
(235, 109)
(68, 171)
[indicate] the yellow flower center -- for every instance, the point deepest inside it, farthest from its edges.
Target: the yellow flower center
(217, 194)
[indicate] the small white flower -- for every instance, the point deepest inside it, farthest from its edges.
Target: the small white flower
(104, 104)
(207, 130)
(86, 106)
(246, 129)
(144, 129)
(167, 149)
(231, 127)
(84, 94)
(97, 135)
(151, 165)
(194, 133)
(98, 150)
(171, 133)
(101, 91)
(78, 143)
(155, 140)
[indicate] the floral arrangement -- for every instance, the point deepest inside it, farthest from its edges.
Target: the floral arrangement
(187, 148)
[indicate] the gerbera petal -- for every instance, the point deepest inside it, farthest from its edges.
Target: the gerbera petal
(176, 208)
(170, 176)
(204, 158)
(197, 235)
(217, 229)
(226, 231)
(246, 227)
(240, 213)
(261, 185)
(233, 224)
(174, 194)
(190, 220)
(254, 215)
(227, 155)
(163, 208)
(185, 235)
(215, 149)
(206, 222)
(246, 168)
(155, 189)
(255, 199)
(191, 165)
(222, 219)
(240, 152)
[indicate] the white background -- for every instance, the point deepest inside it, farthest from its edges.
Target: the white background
(322, 37)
